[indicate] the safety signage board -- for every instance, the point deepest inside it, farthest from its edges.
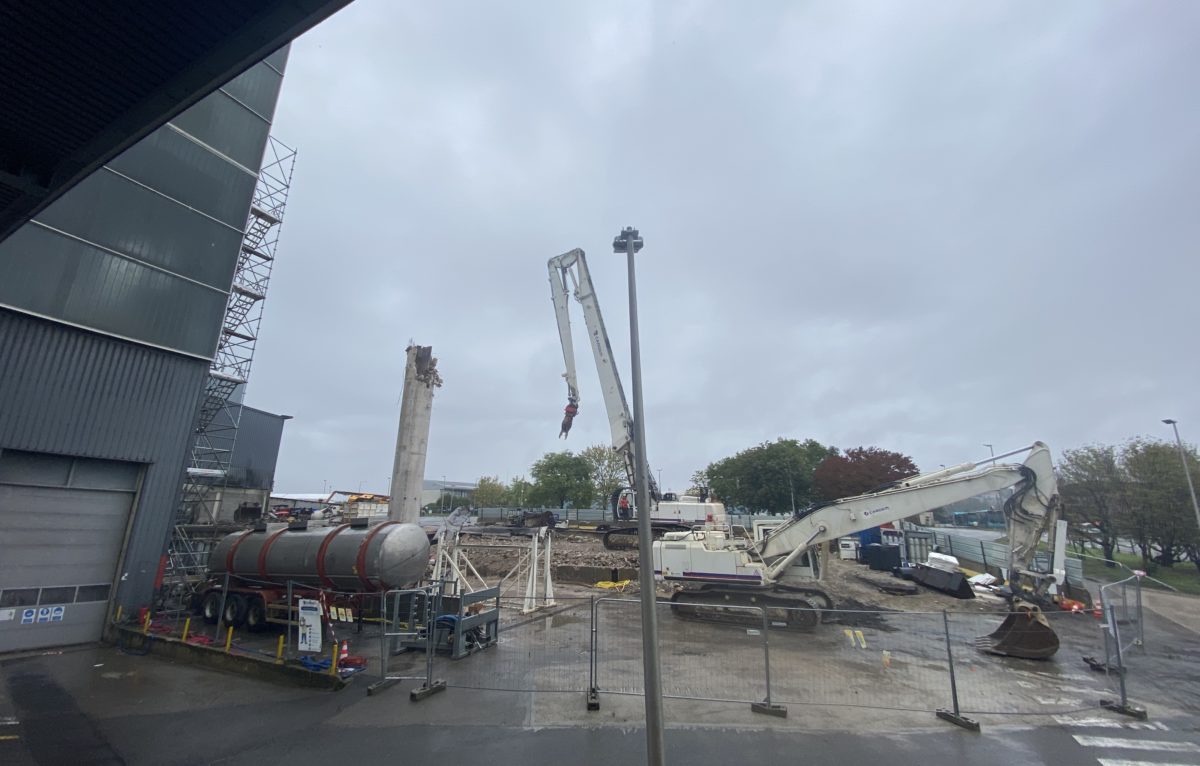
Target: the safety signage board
(310, 625)
(7, 614)
(28, 616)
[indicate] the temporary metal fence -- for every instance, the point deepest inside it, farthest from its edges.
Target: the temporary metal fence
(992, 555)
(922, 662)
(1122, 600)
(546, 651)
(910, 661)
(408, 614)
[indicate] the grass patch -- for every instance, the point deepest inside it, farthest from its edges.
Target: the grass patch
(1184, 576)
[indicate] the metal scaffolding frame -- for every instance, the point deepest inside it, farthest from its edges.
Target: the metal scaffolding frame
(215, 432)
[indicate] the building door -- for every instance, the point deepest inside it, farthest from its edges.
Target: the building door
(62, 526)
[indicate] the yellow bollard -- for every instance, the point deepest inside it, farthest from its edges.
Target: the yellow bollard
(279, 651)
(117, 617)
(187, 626)
(228, 638)
(146, 625)
(334, 659)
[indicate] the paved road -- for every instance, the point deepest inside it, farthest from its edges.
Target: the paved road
(95, 705)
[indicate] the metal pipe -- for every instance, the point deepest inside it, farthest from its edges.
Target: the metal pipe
(950, 658)
(1140, 621)
(630, 242)
(592, 651)
(290, 606)
(221, 616)
(1112, 616)
(1186, 471)
(383, 637)
(766, 654)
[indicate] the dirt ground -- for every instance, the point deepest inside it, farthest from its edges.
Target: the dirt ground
(569, 549)
(849, 583)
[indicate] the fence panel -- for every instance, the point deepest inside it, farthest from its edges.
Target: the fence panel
(1005, 685)
(546, 651)
(698, 660)
(893, 660)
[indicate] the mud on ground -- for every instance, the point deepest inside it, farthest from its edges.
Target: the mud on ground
(851, 585)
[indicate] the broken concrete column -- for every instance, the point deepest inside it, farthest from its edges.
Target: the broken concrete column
(412, 435)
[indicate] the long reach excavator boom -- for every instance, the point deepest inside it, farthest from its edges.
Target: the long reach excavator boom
(783, 569)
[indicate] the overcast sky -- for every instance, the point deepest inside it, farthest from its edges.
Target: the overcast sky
(922, 225)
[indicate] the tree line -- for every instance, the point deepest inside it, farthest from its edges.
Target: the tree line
(1135, 492)
(772, 477)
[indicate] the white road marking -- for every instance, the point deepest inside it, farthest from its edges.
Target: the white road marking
(1119, 762)
(1066, 701)
(1108, 723)
(1136, 744)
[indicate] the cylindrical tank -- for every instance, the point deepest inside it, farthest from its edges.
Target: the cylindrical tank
(346, 557)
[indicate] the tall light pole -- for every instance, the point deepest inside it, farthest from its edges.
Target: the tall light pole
(629, 242)
(1186, 472)
(993, 453)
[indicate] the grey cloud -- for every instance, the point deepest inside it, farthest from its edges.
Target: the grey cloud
(923, 226)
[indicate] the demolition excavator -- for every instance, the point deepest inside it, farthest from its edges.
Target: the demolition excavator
(569, 276)
(783, 571)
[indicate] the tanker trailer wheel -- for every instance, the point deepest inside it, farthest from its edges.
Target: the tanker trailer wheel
(235, 609)
(210, 607)
(256, 613)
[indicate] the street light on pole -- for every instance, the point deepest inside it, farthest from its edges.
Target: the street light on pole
(1186, 472)
(993, 453)
(629, 242)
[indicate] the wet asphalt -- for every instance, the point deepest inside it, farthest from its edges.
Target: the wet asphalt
(96, 705)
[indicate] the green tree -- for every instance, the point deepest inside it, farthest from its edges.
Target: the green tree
(1092, 486)
(519, 492)
(562, 478)
(774, 476)
(1159, 517)
(607, 470)
(490, 492)
(861, 469)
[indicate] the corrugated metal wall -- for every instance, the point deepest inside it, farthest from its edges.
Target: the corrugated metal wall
(97, 293)
(256, 450)
(73, 392)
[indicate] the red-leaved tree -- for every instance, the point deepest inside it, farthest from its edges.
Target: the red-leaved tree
(859, 470)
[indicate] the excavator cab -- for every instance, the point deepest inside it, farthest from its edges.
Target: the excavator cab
(1025, 633)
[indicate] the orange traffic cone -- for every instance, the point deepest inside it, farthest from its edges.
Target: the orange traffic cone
(345, 652)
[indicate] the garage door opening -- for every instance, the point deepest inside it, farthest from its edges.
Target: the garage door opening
(62, 527)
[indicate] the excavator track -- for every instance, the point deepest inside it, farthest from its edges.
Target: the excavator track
(787, 608)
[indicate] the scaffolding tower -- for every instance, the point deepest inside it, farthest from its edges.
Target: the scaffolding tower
(215, 432)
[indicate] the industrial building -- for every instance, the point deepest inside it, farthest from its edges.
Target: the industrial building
(115, 314)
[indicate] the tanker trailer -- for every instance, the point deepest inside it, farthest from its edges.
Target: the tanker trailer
(353, 559)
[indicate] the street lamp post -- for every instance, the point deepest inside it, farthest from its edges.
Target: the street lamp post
(1186, 472)
(629, 242)
(993, 453)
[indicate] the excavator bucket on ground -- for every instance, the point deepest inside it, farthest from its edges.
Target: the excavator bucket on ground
(1025, 633)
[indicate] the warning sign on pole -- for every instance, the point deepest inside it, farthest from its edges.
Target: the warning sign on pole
(310, 625)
